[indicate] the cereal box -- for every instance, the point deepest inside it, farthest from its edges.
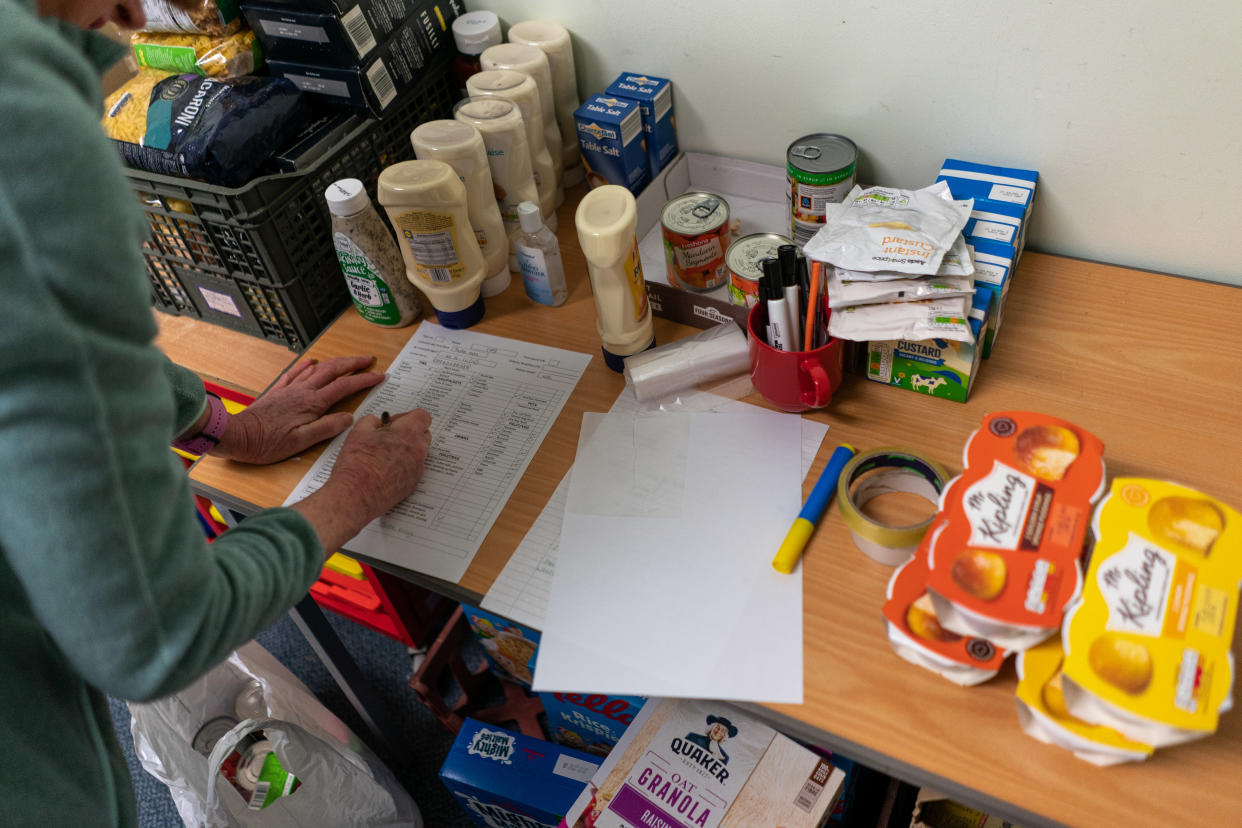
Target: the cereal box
(510, 647)
(704, 764)
(507, 780)
(916, 635)
(654, 97)
(1006, 562)
(592, 722)
(610, 135)
(1044, 716)
(1148, 646)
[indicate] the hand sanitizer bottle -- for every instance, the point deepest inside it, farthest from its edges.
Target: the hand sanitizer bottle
(539, 257)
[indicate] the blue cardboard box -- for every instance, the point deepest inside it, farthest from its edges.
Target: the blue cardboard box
(503, 778)
(610, 136)
(592, 722)
(997, 221)
(983, 181)
(994, 262)
(655, 99)
(511, 648)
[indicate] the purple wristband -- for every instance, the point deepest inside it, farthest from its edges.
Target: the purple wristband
(205, 440)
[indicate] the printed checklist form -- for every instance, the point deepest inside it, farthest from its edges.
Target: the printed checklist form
(492, 401)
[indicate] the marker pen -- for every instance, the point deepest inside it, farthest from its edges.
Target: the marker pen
(778, 316)
(787, 255)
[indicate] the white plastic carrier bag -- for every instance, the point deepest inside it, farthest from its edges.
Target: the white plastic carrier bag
(286, 761)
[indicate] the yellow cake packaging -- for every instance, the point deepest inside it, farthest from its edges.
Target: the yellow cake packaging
(1148, 644)
(916, 635)
(1044, 716)
(1005, 565)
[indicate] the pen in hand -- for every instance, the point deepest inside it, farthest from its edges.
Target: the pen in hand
(384, 418)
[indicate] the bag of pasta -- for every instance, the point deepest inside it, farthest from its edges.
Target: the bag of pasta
(216, 56)
(219, 130)
(213, 17)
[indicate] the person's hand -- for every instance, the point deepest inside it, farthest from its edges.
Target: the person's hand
(378, 467)
(289, 417)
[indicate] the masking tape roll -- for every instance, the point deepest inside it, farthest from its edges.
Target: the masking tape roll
(885, 471)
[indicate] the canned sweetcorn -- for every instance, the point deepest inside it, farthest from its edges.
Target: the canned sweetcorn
(819, 169)
(696, 235)
(743, 261)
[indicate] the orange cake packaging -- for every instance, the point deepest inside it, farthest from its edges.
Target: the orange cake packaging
(1006, 563)
(1148, 644)
(1044, 716)
(917, 635)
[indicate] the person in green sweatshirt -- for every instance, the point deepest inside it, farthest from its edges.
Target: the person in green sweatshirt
(107, 585)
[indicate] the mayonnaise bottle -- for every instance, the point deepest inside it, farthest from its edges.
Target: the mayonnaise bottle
(461, 147)
(532, 61)
(520, 88)
(553, 40)
(607, 219)
(426, 203)
(504, 135)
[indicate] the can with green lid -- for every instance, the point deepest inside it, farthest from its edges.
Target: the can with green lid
(820, 170)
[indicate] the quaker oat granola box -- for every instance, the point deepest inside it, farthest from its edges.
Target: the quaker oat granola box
(705, 764)
(1006, 563)
(508, 780)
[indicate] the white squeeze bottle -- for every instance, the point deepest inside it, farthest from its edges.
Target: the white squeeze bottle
(461, 147)
(426, 203)
(531, 60)
(504, 136)
(370, 258)
(539, 256)
(521, 90)
(553, 40)
(607, 218)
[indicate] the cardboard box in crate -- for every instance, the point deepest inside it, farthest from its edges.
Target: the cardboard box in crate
(259, 258)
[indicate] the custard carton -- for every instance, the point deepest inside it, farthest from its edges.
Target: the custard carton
(503, 778)
(917, 636)
(705, 764)
(1148, 645)
(1006, 563)
(591, 722)
(1044, 716)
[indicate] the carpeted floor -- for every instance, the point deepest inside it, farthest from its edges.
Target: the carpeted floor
(387, 663)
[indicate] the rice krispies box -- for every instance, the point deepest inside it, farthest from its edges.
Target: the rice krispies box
(507, 780)
(592, 722)
(510, 647)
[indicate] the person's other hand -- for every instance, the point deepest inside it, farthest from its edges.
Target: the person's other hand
(378, 467)
(289, 417)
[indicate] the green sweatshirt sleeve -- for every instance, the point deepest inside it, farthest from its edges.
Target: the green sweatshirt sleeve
(96, 515)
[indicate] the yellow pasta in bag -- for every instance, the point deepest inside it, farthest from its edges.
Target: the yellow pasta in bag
(226, 56)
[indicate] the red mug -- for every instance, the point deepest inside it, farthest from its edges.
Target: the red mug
(793, 381)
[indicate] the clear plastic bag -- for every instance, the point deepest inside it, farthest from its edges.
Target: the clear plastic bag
(342, 782)
(216, 56)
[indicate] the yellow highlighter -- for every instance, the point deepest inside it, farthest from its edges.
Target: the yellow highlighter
(804, 524)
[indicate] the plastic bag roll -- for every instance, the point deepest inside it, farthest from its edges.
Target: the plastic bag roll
(714, 353)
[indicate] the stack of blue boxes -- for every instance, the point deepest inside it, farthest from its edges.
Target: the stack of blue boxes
(997, 226)
(628, 134)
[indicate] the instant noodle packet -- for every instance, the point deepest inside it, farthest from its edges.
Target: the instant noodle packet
(1006, 564)
(1148, 645)
(1044, 716)
(917, 636)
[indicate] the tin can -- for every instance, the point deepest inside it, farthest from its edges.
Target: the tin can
(696, 235)
(743, 258)
(820, 170)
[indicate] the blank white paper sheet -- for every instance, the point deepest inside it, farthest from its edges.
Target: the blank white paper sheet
(664, 583)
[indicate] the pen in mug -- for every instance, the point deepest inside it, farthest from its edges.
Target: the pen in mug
(787, 255)
(778, 315)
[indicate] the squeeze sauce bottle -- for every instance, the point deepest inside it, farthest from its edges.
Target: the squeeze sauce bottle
(531, 60)
(607, 218)
(553, 39)
(426, 203)
(460, 146)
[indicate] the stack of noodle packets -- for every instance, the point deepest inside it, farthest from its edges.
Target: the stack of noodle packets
(898, 266)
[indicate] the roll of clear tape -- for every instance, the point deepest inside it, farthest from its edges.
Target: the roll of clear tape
(887, 471)
(711, 354)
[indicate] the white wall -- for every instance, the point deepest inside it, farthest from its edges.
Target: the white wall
(1131, 111)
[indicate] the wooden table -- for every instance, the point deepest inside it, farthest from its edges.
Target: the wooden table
(1140, 359)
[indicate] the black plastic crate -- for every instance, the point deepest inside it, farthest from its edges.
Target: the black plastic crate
(259, 258)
